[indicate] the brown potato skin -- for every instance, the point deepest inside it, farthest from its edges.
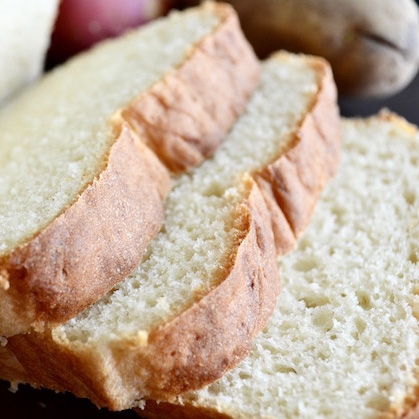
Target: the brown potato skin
(373, 46)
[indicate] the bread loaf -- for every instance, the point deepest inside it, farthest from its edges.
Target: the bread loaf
(26, 27)
(209, 281)
(343, 341)
(87, 153)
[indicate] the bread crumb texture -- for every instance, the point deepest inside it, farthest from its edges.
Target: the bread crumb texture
(190, 253)
(208, 280)
(40, 173)
(344, 341)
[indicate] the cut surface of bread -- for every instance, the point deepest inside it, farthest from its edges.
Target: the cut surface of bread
(26, 29)
(343, 341)
(87, 153)
(209, 279)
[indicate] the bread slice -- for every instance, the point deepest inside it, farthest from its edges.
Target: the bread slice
(26, 29)
(209, 280)
(87, 153)
(343, 341)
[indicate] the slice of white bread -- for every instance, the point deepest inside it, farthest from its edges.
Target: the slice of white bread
(343, 341)
(209, 280)
(26, 28)
(81, 188)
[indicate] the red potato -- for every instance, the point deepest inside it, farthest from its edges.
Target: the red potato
(82, 23)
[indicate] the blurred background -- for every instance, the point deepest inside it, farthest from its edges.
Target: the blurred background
(405, 103)
(73, 33)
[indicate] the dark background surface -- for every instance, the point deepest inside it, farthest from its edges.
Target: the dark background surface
(405, 103)
(28, 403)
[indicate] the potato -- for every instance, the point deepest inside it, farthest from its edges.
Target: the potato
(82, 23)
(372, 45)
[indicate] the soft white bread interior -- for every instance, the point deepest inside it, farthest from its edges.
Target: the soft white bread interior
(343, 341)
(87, 152)
(209, 279)
(26, 27)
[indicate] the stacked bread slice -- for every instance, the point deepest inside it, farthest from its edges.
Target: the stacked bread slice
(209, 280)
(87, 156)
(343, 341)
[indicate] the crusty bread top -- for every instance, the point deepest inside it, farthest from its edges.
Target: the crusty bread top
(26, 27)
(82, 177)
(209, 279)
(343, 341)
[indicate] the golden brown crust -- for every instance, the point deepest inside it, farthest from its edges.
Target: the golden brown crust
(212, 335)
(292, 184)
(13, 369)
(408, 408)
(180, 121)
(97, 241)
(233, 312)
(193, 349)
(100, 237)
(412, 412)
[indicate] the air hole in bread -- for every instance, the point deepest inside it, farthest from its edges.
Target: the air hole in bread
(378, 402)
(284, 369)
(413, 256)
(245, 375)
(306, 265)
(315, 300)
(414, 303)
(322, 317)
(409, 197)
(361, 325)
(364, 299)
(339, 212)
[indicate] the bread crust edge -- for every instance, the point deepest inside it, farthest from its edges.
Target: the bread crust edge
(65, 268)
(202, 343)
